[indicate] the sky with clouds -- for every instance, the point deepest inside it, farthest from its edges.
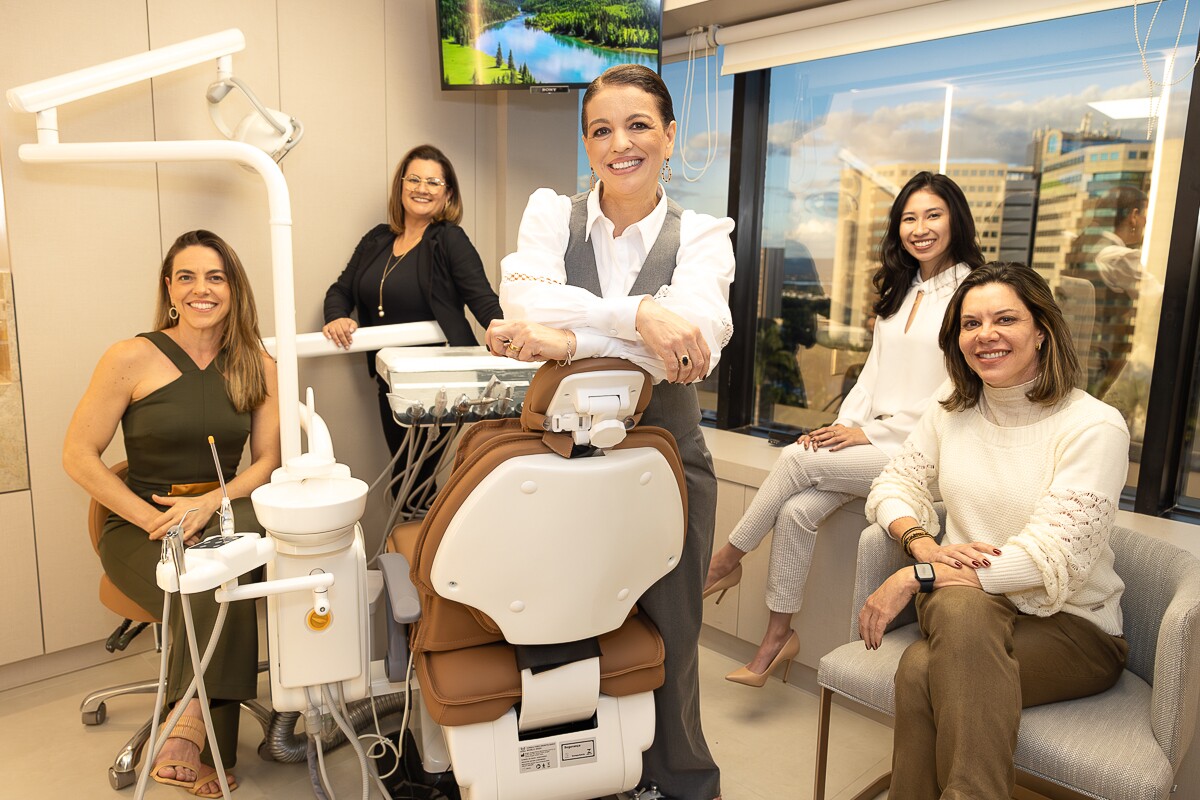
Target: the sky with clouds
(887, 106)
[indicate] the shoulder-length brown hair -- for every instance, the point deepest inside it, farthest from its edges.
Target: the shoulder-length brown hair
(1057, 365)
(241, 342)
(452, 212)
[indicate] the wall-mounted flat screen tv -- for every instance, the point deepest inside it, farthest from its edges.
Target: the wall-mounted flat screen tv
(523, 44)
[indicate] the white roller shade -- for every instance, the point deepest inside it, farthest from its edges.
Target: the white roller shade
(859, 25)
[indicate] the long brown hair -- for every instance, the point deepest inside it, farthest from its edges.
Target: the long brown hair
(451, 212)
(896, 265)
(241, 342)
(1057, 365)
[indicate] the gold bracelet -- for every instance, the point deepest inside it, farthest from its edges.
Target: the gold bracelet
(570, 353)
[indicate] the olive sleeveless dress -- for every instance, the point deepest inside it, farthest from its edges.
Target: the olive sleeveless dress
(166, 443)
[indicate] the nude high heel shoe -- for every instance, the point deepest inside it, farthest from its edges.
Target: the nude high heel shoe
(725, 584)
(744, 676)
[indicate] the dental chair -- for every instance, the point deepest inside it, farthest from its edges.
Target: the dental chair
(531, 657)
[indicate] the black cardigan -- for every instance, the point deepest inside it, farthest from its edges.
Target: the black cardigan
(449, 272)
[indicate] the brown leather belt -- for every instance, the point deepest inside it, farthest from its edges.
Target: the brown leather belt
(192, 489)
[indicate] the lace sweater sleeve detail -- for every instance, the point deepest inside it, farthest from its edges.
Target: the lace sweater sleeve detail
(905, 489)
(1066, 536)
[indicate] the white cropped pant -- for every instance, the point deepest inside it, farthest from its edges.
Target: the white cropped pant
(803, 488)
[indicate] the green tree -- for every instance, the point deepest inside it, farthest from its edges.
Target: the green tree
(775, 372)
(499, 56)
(511, 66)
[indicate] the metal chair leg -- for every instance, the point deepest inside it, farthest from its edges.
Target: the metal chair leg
(92, 709)
(123, 771)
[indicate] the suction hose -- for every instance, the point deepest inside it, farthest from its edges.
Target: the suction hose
(288, 747)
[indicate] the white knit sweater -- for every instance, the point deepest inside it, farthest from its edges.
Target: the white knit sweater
(1040, 484)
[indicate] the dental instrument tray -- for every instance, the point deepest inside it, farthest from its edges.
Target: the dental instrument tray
(447, 385)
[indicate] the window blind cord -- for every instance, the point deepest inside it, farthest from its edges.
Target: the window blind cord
(1143, 46)
(713, 124)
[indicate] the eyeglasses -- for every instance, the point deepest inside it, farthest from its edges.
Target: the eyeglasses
(414, 182)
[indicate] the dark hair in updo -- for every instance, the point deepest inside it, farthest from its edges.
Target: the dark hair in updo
(643, 78)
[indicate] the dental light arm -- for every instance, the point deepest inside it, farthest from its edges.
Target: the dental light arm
(43, 97)
(271, 131)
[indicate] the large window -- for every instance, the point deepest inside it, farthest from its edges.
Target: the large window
(1044, 126)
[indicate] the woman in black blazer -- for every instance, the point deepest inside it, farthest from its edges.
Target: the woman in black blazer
(420, 266)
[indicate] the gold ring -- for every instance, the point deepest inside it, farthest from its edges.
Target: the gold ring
(516, 348)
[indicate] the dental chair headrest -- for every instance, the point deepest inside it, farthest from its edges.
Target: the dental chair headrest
(545, 386)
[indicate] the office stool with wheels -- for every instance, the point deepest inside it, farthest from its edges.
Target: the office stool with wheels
(92, 710)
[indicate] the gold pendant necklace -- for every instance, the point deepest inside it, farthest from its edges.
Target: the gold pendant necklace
(387, 270)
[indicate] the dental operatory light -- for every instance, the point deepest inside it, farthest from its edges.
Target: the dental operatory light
(271, 131)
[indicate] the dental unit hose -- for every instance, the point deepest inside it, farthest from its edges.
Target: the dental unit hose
(173, 550)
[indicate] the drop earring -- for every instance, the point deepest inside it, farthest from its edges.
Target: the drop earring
(592, 183)
(173, 313)
(665, 172)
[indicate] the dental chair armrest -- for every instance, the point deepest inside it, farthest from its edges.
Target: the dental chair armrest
(402, 595)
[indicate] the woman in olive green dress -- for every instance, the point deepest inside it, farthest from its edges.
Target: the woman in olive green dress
(202, 372)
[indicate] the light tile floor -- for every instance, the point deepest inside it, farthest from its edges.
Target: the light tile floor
(763, 739)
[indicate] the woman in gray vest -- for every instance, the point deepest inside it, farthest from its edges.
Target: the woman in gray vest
(623, 271)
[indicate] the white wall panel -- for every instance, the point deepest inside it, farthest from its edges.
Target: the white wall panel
(84, 248)
(21, 627)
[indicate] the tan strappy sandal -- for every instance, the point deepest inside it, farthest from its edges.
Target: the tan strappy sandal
(192, 730)
(210, 776)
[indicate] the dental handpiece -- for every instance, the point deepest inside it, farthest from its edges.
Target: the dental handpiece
(227, 527)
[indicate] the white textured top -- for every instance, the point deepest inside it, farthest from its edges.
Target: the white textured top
(533, 279)
(1045, 493)
(904, 368)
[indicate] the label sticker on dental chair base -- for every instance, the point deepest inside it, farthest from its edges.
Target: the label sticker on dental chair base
(581, 751)
(551, 755)
(538, 757)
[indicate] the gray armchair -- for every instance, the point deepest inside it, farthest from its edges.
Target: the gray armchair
(1124, 744)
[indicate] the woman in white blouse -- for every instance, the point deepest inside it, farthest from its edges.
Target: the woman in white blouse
(1019, 604)
(928, 249)
(623, 271)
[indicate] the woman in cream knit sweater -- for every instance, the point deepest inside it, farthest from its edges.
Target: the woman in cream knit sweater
(1019, 604)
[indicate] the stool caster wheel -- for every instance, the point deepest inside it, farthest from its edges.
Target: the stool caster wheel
(120, 780)
(96, 717)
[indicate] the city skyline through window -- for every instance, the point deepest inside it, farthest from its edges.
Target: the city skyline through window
(1039, 126)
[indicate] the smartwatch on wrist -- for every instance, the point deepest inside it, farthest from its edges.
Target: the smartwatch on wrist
(925, 575)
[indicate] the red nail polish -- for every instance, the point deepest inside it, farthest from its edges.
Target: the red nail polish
(997, 552)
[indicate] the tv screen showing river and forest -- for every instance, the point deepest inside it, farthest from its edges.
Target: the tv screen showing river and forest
(515, 44)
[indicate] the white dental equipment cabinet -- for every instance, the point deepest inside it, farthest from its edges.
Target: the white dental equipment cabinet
(317, 585)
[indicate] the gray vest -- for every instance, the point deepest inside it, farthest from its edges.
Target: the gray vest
(673, 406)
